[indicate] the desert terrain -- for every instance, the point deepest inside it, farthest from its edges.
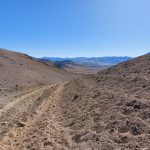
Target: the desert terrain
(46, 108)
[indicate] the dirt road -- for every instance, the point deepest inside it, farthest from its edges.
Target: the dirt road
(30, 121)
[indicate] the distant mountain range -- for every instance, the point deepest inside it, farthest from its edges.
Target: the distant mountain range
(90, 61)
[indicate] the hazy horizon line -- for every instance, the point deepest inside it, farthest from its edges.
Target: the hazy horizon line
(77, 56)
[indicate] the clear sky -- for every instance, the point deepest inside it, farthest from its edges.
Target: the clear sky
(75, 27)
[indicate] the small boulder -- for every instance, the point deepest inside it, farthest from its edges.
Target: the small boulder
(21, 124)
(75, 97)
(4, 123)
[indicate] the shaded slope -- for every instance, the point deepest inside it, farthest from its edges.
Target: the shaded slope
(75, 67)
(18, 69)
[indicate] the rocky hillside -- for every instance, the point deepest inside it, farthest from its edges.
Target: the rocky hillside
(18, 69)
(139, 67)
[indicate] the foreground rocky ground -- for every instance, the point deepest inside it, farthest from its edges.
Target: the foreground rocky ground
(108, 111)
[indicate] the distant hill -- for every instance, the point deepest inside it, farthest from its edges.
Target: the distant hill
(64, 63)
(85, 64)
(76, 67)
(93, 61)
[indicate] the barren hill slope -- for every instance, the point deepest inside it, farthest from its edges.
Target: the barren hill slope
(108, 111)
(18, 69)
(136, 67)
(111, 110)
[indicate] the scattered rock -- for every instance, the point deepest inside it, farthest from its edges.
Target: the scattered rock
(121, 139)
(71, 124)
(46, 143)
(21, 124)
(4, 123)
(134, 104)
(88, 136)
(75, 97)
(123, 129)
(135, 130)
(76, 138)
(145, 115)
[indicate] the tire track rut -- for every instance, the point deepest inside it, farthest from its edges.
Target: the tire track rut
(30, 122)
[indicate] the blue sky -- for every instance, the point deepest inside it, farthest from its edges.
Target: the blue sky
(75, 27)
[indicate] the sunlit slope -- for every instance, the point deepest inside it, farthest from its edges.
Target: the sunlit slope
(18, 69)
